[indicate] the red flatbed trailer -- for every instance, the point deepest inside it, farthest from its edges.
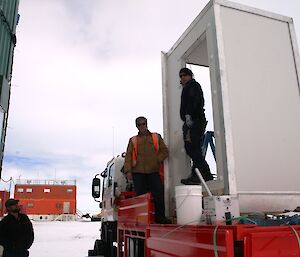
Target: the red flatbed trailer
(138, 236)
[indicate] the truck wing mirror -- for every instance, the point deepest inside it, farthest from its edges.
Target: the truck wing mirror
(96, 187)
(104, 173)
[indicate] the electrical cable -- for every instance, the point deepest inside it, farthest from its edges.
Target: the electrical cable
(215, 241)
(181, 226)
(6, 181)
(10, 181)
(216, 228)
(246, 217)
(296, 234)
(188, 194)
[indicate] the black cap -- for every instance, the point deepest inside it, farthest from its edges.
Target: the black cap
(11, 202)
(186, 71)
(138, 119)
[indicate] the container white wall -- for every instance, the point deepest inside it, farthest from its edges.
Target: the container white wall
(254, 68)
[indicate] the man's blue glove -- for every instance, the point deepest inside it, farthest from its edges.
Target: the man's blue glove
(188, 120)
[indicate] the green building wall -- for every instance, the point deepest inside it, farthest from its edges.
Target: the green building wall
(8, 21)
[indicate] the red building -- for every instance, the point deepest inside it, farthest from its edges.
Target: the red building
(46, 197)
(4, 195)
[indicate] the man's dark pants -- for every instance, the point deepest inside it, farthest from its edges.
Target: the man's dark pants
(193, 141)
(144, 183)
(24, 253)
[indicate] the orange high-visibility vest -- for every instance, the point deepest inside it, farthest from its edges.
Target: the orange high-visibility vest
(155, 139)
(135, 147)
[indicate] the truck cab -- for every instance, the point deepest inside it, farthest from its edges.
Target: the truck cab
(114, 182)
(110, 189)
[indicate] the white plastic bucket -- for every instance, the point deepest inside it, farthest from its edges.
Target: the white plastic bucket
(188, 204)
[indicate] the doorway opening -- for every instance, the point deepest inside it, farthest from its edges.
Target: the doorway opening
(196, 59)
(202, 76)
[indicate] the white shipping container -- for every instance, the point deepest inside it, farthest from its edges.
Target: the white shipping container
(253, 60)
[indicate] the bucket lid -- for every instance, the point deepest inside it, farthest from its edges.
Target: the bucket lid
(188, 189)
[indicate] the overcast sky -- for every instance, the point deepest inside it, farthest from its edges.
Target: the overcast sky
(84, 69)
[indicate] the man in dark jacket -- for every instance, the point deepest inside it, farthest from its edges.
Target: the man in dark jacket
(193, 115)
(16, 231)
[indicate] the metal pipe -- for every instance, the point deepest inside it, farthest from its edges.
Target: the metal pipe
(203, 181)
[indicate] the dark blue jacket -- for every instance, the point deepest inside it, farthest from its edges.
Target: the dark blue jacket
(16, 235)
(192, 101)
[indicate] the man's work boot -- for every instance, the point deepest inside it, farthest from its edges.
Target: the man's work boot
(207, 175)
(192, 180)
(162, 220)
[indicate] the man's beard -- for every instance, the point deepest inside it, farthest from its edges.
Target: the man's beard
(16, 210)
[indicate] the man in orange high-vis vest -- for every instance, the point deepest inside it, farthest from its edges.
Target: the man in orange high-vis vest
(144, 156)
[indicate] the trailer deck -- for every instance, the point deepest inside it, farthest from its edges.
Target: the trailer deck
(139, 237)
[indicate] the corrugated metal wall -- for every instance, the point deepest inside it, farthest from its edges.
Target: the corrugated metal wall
(8, 21)
(8, 14)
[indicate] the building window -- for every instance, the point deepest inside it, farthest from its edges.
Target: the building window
(20, 190)
(59, 205)
(30, 205)
(29, 190)
(69, 190)
(47, 190)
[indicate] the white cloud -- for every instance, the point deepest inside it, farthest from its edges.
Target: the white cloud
(83, 68)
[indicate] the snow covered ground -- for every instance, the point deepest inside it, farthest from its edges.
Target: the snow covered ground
(72, 239)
